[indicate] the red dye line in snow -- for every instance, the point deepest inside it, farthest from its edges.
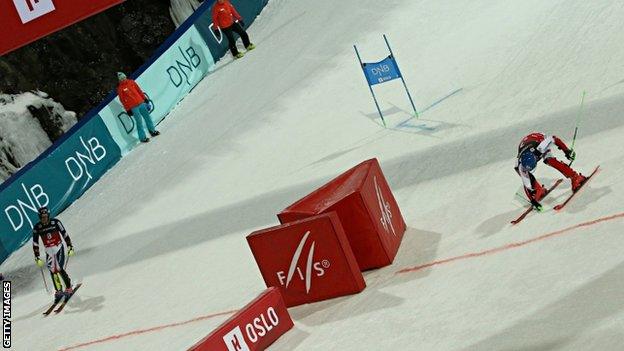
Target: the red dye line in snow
(510, 246)
(142, 331)
(405, 270)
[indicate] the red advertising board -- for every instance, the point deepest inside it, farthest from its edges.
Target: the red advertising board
(253, 328)
(24, 21)
(309, 260)
(367, 209)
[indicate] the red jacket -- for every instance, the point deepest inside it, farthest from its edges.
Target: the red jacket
(534, 139)
(223, 15)
(130, 94)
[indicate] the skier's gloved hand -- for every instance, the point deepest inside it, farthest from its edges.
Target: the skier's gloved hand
(70, 252)
(129, 112)
(536, 205)
(570, 155)
(39, 262)
(216, 32)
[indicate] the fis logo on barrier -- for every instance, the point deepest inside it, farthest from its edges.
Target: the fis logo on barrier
(29, 10)
(311, 267)
(384, 207)
(256, 329)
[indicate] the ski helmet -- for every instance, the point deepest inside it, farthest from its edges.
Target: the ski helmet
(121, 76)
(44, 211)
(528, 160)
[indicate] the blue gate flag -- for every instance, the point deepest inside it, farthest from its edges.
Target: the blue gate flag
(382, 71)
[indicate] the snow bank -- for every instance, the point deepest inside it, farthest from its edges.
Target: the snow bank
(29, 124)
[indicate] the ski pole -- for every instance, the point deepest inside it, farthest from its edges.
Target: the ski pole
(45, 283)
(578, 122)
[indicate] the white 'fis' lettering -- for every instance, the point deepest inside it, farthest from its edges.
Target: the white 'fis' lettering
(29, 10)
(384, 207)
(318, 268)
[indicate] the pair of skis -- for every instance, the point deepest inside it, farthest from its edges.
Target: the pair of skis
(561, 205)
(63, 301)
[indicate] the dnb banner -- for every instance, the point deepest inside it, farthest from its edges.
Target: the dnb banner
(167, 80)
(55, 181)
(25, 21)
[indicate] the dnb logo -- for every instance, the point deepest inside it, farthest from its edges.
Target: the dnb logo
(384, 207)
(29, 10)
(312, 268)
(128, 122)
(381, 70)
(256, 329)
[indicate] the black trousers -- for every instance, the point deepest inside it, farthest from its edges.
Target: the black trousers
(229, 33)
(65, 278)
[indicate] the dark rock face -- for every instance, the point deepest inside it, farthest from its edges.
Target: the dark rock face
(76, 66)
(53, 127)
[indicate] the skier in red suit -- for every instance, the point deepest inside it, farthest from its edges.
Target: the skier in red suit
(535, 147)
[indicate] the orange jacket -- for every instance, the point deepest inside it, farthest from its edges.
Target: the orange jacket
(130, 94)
(223, 15)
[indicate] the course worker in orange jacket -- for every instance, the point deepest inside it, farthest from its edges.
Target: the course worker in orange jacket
(134, 102)
(226, 18)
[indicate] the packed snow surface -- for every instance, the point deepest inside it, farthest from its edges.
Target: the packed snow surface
(161, 238)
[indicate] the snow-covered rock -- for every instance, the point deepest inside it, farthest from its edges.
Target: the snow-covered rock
(180, 10)
(29, 124)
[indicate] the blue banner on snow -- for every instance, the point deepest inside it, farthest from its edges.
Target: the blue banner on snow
(381, 72)
(56, 181)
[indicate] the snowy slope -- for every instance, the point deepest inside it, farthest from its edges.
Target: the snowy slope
(160, 239)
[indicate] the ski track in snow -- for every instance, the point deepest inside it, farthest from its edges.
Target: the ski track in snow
(160, 238)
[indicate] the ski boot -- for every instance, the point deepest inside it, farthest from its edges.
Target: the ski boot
(58, 295)
(577, 181)
(540, 191)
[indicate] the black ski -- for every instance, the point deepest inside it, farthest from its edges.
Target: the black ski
(51, 308)
(60, 308)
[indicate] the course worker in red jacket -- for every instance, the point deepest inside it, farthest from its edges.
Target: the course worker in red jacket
(226, 18)
(134, 102)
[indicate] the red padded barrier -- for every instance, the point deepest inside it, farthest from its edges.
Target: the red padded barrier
(367, 210)
(253, 328)
(309, 260)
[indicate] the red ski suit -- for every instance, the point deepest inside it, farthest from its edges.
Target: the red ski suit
(130, 94)
(540, 144)
(224, 15)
